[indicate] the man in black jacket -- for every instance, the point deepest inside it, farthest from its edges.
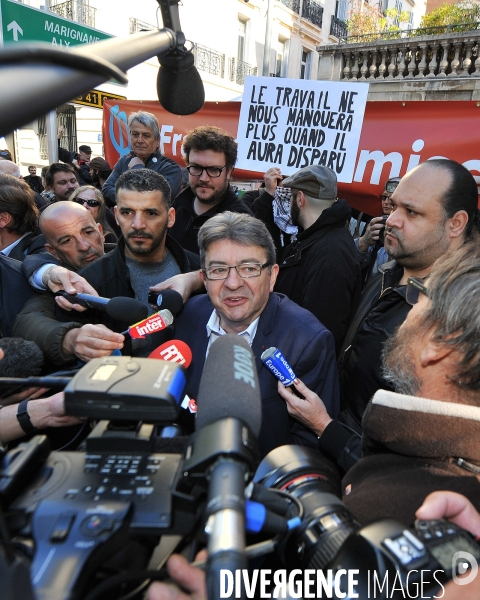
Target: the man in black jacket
(33, 180)
(435, 211)
(210, 154)
(320, 271)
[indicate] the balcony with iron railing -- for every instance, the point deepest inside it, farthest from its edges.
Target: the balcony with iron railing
(76, 10)
(136, 25)
(209, 60)
(313, 12)
(292, 4)
(238, 70)
(451, 55)
(338, 28)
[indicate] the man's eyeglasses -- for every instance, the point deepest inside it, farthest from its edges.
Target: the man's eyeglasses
(415, 287)
(91, 203)
(385, 197)
(245, 271)
(214, 172)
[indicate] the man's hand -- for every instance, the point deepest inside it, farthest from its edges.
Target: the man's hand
(50, 412)
(59, 278)
(33, 392)
(185, 284)
(135, 161)
(272, 177)
(191, 579)
(452, 506)
(91, 341)
(309, 410)
(60, 132)
(372, 234)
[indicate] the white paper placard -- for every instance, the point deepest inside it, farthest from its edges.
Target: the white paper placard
(293, 123)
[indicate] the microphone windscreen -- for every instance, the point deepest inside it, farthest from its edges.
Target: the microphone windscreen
(22, 358)
(229, 386)
(171, 300)
(126, 310)
(179, 85)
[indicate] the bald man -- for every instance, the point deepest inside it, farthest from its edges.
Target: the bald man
(72, 235)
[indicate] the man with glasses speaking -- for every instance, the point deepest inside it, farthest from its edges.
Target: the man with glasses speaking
(210, 154)
(238, 269)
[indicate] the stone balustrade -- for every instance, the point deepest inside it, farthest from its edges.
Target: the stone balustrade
(437, 57)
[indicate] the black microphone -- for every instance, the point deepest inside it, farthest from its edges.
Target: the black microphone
(224, 447)
(179, 85)
(121, 308)
(169, 299)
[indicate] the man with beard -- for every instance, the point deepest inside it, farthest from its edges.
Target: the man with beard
(320, 270)
(144, 256)
(62, 180)
(210, 154)
(435, 211)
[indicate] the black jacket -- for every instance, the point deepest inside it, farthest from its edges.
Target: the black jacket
(156, 162)
(320, 271)
(31, 244)
(110, 276)
(381, 310)
(14, 292)
(35, 182)
(187, 222)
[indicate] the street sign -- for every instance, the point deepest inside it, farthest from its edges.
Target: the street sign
(96, 98)
(22, 23)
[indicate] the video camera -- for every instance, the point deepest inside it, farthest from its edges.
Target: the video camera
(81, 516)
(80, 519)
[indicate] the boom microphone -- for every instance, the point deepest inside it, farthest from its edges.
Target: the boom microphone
(179, 85)
(228, 421)
(21, 358)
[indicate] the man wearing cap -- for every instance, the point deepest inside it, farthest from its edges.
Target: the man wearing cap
(320, 271)
(79, 160)
(370, 244)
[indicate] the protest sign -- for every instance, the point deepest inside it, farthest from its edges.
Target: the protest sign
(292, 123)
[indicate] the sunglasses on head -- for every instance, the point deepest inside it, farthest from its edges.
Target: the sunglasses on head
(91, 203)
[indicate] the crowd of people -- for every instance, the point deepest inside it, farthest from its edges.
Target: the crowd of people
(380, 322)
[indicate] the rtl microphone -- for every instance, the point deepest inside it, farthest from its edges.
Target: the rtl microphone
(173, 351)
(224, 447)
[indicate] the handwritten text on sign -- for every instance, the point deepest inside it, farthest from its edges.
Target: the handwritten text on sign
(292, 123)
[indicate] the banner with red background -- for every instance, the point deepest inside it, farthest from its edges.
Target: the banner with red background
(396, 136)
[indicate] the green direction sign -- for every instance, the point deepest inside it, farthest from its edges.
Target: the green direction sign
(22, 23)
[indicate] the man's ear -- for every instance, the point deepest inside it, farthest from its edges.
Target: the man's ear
(50, 249)
(5, 220)
(457, 223)
(171, 217)
(434, 352)
(300, 199)
(115, 212)
(229, 173)
(273, 276)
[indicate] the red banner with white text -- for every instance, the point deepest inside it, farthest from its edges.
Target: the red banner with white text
(396, 136)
